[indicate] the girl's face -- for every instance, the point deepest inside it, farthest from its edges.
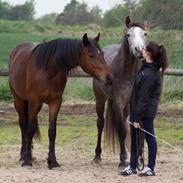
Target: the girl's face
(145, 53)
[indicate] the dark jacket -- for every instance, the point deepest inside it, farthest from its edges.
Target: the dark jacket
(146, 92)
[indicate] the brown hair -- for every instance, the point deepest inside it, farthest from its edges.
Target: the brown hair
(158, 55)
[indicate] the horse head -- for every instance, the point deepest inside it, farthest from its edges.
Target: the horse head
(136, 36)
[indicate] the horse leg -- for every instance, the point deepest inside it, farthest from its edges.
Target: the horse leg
(122, 136)
(100, 105)
(21, 107)
(53, 113)
(128, 138)
(33, 109)
(123, 153)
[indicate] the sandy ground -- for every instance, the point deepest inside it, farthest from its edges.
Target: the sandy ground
(76, 167)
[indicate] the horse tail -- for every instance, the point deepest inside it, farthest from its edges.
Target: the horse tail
(111, 138)
(37, 134)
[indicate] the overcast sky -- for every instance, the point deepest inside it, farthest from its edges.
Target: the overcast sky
(47, 6)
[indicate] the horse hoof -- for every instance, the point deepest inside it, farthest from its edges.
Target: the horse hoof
(97, 160)
(53, 164)
(21, 159)
(26, 164)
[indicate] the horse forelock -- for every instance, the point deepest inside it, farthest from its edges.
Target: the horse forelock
(138, 24)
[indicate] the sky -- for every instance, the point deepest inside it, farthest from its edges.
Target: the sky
(43, 7)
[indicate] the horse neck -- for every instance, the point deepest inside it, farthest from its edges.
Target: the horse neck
(130, 67)
(72, 65)
(54, 68)
(125, 66)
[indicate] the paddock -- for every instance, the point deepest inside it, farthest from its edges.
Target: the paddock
(76, 138)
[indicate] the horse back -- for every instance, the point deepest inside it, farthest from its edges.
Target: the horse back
(18, 64)
(110, 52)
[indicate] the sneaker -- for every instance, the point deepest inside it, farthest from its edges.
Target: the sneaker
(147, 172)
(128, 171)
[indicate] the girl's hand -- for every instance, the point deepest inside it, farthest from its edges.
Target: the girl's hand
(136, 125)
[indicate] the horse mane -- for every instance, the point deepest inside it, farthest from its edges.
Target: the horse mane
(62, 52)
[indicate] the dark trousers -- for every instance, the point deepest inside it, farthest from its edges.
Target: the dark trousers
(148, 125)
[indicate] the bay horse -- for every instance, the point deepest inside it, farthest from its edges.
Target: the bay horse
(123, 60)
(38, 74)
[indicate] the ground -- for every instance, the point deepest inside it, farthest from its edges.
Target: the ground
(75, 166)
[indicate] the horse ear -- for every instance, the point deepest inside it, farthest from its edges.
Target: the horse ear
(127, 21)
(161, 46)
(85, 40)
(98, 37)
(147, 24)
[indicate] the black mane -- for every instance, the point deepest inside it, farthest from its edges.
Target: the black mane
(63, 52)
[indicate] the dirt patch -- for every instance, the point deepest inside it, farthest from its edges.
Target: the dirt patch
(76, 168)
(9, 115)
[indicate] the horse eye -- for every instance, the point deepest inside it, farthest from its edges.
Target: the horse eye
(145, 34)
(128, 35)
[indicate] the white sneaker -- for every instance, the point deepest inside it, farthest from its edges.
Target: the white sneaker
(147, 172)
(128, 171)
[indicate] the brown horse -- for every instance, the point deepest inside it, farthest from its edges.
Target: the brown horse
(123, 62)
(38, 74)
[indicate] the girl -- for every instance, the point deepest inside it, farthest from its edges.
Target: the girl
(144, 102)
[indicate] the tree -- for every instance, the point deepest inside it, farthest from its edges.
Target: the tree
(48, 18)
(76, 13)
(96, 14)
(166, 14)
(69, 15)
(4, 10)
(115, 16)
(25, 11)
(18, 12)
(131, 4)
(83, 15)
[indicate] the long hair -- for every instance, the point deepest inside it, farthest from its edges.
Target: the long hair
(158, 55)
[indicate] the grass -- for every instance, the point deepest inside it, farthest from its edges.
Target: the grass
(69, 129)
(83, 129)
(80, 90)
(170, 129)
(13, 33)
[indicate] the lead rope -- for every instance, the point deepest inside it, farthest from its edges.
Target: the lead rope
(140, 149)
(167, 143)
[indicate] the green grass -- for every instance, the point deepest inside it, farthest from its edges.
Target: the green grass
(10, 40)
(170, 129)
(13, 33)
(5, 93)
(83, 129)
(81, 90)
(69, 129)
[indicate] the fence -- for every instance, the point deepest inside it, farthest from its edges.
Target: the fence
(79, 73)
(79, 86)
